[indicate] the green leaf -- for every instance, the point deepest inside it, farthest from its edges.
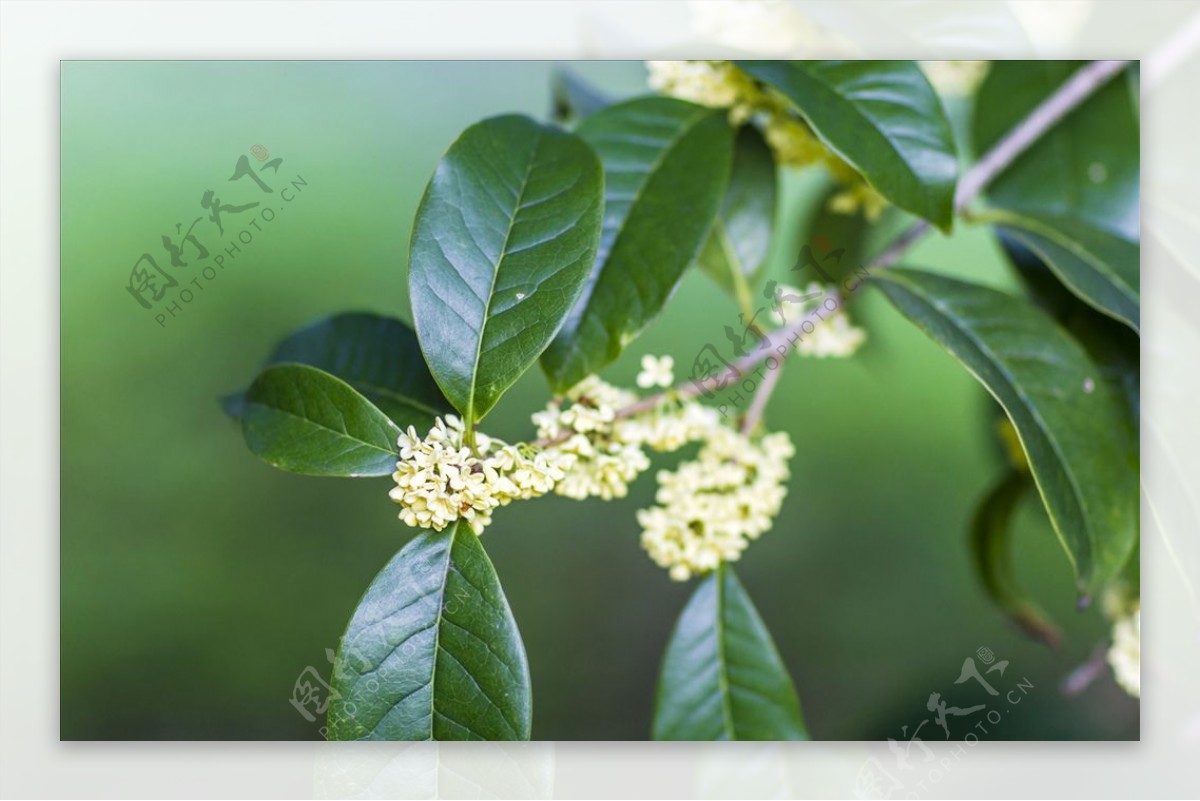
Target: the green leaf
(666, 166)
(1116, 350)
(1102, 269)
(883, 119)
(432, 651)
(1112, 344)
(304, 420)
(839, 243)
(1069, 421)
(1086, 166)
(722, 678)
(990, 535)
(737, 245)
(501, 248)
(378, 356)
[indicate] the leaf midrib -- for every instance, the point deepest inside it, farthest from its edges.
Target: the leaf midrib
(342, 433)
(722, 665)
(437, 628)
(487, 304)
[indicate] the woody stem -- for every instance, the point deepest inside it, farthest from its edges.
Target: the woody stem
(1078, 88)
(1044, 116)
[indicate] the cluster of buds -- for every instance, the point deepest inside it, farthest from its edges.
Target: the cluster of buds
(608, 450)
(439, 479)
(1124, 655)
(711, 508)
(720, 84)
(590, 446)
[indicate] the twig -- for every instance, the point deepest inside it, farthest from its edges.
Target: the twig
(759, 404)
(1062, 102)
(1078, 88)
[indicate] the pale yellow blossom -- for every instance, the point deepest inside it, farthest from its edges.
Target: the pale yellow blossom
(1125, 653)
(656, 372)
(720, 84)
(439, 480)
(709, 509)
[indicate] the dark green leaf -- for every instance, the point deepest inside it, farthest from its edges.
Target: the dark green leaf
(666, 166)
(838, 243)
(882, 118)
(990, 530)
(378, 356)
(432, 651)
(737, 245)
(501, 248)
(1085, 167)
(1116, 350)
(1070, 422)
(1113, 346)
(722, 678)
(1099, 267)
(1043, 285)
(575, 98)
(307, 421)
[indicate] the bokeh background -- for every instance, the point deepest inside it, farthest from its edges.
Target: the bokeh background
(198, 583)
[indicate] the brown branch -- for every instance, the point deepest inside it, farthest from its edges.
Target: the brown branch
(1044, 116)
(759, 404)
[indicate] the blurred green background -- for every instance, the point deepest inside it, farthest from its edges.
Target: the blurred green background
(197, 582)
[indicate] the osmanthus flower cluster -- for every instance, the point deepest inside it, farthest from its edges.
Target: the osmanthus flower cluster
(720, 84)
(439, 479)
(710, 508)
(1125, 653)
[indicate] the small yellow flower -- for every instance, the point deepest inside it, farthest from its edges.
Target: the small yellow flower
(1125, 654)
(656, 372)
(721, 84)
(711, 508)
(439, 480)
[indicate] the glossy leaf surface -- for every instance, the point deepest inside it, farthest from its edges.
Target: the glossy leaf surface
(882, 118)
(1099, 267)
(432, 651)
(502, 245)
(304, 420)
(1070, 422)
(379, 356)
(1086, 167)
(740, 239)
(722, 678)
(666, 166)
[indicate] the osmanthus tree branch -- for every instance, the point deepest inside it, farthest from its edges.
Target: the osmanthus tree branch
(1066, 98)
(776, 344)
(1044, 116)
